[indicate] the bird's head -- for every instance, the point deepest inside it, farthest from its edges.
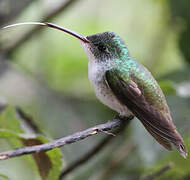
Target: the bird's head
(105, 46)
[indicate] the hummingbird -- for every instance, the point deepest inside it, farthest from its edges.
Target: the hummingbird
(125, 85)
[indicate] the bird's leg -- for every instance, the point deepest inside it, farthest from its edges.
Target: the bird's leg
(124, 118)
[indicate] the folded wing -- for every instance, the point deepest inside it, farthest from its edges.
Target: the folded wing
(157, 121)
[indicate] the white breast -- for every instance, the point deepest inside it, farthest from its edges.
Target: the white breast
(96, 73)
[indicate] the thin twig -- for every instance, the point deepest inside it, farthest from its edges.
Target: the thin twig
(110, 125)
(48, 17)
(159, 172)
(13, 11)
(102, 144)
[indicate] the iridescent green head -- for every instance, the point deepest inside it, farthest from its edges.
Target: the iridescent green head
(105, 46)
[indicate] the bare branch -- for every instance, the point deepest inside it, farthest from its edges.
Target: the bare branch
(110, 125)
(48, 17)
(159, 172)
(13, 11)
(102, 144)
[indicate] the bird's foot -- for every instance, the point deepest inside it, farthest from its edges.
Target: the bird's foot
(124, 118)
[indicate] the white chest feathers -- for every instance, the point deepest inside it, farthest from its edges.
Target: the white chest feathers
(96, 72)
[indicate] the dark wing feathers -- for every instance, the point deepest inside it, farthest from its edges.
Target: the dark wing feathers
(159, 139)
(158, 124)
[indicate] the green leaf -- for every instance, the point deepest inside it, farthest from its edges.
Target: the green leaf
(47, 164)
(9, 120)
(3, 177)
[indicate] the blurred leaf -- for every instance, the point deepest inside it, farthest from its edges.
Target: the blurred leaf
(184, 43)
(9, 120)
(180, 10)
(167, 87)
(47, 163)
(3, 177)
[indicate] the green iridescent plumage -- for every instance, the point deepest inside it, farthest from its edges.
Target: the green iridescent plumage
(131, 88)
(132, 70)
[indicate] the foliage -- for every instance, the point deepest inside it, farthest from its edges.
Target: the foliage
(47, 164)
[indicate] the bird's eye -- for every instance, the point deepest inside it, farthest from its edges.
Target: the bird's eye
(102, 48)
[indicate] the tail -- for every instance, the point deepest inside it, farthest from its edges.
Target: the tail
(174, 138)
(180, 145)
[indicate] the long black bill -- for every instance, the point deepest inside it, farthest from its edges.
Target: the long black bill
(75, 34)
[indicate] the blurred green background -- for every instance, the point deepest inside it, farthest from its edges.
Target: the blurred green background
(47, 76)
